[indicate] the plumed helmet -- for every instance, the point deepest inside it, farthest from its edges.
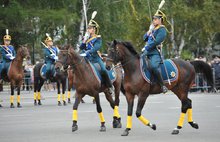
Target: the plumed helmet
(159, 14)
(48, 38)
(93, 23)
(7, 36)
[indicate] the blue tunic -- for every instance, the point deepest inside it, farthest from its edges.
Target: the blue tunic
(49, 56)
(5, 60)
(153, 40)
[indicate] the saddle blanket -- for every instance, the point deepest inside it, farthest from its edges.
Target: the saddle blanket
(172, 71)
(97, 72)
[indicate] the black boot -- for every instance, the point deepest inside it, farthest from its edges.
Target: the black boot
(160, 80)
(108, 83)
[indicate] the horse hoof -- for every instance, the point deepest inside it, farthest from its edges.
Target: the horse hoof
(154, 127)
(116, 123)
(102, 129)
(74, 128)
(64, 103)
(194, 125)
(39, 103)
(82, 101)
(19, 105)
(59, 103)
(125, 133)
(175, 131)
(12, 106)
(69, 101)
(0, 105)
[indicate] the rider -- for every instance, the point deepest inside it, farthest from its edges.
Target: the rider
(50, 56)
(92, 42)
(7, 51)
(154, 37)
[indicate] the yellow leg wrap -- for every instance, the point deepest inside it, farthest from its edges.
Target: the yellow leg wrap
(11, 99)
(68, 95)
(38, 96)
(63, 97)
(189, 112)
(181, 120)
(143, 120)
(58, 98)
(75, 115)
(101, 116)
(18, 98)
(129, 122)
(35, 96)
(116, 113)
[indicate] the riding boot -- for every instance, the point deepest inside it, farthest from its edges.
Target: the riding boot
(47, 75)
(160, 80)
(108, 83)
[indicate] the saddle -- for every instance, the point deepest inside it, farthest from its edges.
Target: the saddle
(172, 71)
(51, 73)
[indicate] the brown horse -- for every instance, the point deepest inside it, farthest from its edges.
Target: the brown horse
(86, 82)
(135, 84)
(15, 74)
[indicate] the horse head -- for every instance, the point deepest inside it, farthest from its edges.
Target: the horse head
(23, 52)
(113, 52)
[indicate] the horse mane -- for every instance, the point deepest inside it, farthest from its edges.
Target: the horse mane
(130, 47)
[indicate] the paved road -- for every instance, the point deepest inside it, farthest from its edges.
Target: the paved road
(52, 123)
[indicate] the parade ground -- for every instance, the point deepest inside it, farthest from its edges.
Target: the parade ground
(52, 123)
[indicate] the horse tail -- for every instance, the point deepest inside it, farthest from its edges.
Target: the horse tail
(202, 67)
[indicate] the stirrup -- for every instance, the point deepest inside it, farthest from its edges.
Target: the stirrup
(164, 89)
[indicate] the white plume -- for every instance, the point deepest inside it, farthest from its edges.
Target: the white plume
(161, 4)
(7, 32)
(47, 35)
(94, 14)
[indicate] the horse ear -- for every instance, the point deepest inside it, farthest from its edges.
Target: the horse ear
(115, 41)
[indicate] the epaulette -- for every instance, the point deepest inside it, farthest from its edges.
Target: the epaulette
(98, 36)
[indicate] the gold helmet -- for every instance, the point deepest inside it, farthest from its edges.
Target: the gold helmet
(93, 23)
(7, 36)
(48, 38)
(159, 14)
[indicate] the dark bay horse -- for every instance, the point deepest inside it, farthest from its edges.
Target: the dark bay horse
(15, 74)
(135, 84)
(85, 82)
(60, 79)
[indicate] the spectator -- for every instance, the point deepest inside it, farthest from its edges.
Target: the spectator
(216, 66)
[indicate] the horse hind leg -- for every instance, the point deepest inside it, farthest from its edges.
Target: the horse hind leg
(190, 118)
(12, 96)
(39, 89)
(18, 95)
(186, 108)
(99, 110)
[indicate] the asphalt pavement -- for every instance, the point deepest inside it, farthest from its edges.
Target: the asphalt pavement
(52, 123)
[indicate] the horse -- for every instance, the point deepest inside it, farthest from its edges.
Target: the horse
(15, 74)
(60, 79)
(85, 82)
(135, 84)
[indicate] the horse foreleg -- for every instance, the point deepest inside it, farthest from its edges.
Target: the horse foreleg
(58, 93)
(70, 85)
(130, 102)
(63, 91)
(35, 90)
(116, 122)
(39, 89)
(141, 101)
(18, 94)
(99, 110)
(117, 100)
(12, 95)
(75, 113)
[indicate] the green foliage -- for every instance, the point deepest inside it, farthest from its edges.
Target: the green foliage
(28, 20)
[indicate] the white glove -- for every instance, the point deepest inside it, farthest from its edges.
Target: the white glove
(83, 54)
(10, 56)
(142, 49)
(52, 55)
(56, 58)
(151, 28)
(86, 37)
